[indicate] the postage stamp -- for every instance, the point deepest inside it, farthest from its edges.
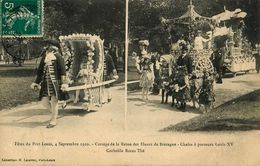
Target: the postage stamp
(21, 18)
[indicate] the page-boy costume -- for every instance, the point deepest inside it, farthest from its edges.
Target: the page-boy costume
(50, 80)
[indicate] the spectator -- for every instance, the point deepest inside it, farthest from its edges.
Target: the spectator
(257, 62)
(114, 55)
(110, 73)
(155, 59)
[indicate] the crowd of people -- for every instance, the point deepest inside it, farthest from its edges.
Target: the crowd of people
(174, 75)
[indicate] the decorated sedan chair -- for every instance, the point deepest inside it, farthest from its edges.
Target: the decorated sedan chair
(84, 58)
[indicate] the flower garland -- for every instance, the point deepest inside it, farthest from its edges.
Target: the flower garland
(87, 72)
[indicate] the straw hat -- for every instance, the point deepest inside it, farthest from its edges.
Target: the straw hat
(144, 43)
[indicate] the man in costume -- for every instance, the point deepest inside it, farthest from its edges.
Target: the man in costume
(217, 59)
(51, 80)
(110, 73)
(184, 63)
(184, 59)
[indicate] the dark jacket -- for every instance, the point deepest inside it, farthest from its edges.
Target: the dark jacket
(113, 55)
(185, 61)
(217, 59)
(109, 67)
(59, 70)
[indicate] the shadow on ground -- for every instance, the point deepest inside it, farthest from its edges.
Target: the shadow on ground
(156, 105)
(33, 118)
(240, 114)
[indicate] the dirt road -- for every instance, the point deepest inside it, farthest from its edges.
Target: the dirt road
(151, 116)
(23, 131)
(33, 117)
(141, 117)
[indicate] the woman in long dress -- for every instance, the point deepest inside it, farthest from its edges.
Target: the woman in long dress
(145, 68)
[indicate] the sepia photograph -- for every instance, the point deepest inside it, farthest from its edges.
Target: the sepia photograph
(129, 82)
(193, 80)
(62, 78)
(193, 65)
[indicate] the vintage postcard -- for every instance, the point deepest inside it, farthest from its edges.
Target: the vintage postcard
(129, 82)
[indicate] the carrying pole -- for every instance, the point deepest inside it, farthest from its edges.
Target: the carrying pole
(89, 86)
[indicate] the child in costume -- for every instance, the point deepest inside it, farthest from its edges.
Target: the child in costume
(207, 96)
(173, 81)
(164, 74)
(182, 87)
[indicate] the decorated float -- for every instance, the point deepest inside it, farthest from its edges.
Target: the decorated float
(84, 59)
(223, 31)
(229, 32)
(192, 22)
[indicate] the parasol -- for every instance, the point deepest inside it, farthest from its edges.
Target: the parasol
(190, 18)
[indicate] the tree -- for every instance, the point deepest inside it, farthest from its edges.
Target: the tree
(105, 18)
(144, 15)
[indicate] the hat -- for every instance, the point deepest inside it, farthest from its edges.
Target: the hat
(52, 42)
(144, 43)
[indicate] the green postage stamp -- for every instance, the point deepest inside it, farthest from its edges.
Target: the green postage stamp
(21, 18)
